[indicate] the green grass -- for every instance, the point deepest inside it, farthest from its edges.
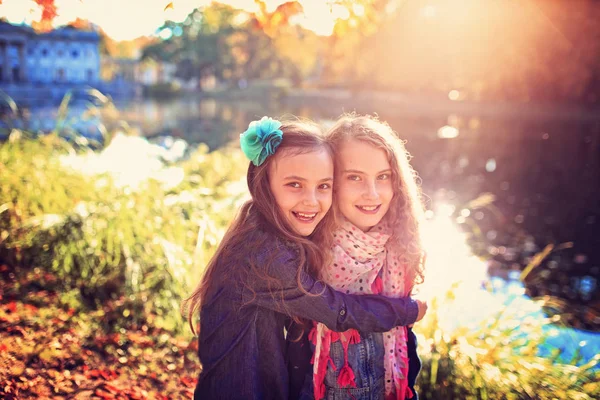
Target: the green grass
(106, 241)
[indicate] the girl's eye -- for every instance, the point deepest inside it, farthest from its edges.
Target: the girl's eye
(295, 185)
(383, 177)
(325, 186)
(353, 178)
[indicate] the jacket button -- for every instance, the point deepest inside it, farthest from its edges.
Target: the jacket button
(342, 312)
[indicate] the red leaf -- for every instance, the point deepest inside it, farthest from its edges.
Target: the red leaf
(112, 388)
(188, 381)
(48, 9)
(105, 374)
(104, 395)
(12, 306)
(31, 307)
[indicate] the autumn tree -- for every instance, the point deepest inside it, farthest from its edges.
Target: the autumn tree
(233, 44)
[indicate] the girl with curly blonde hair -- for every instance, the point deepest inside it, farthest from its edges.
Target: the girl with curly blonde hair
(377, 250)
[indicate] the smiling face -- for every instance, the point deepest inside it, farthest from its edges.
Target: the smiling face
(363, 183)
(302, 187)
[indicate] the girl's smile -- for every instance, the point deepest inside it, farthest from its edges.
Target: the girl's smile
(304, 217)
(302, 187)
(369, 209)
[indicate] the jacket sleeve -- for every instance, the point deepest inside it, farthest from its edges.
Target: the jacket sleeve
(320, 302)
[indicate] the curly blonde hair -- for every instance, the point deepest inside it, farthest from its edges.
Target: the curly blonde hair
(406, 210)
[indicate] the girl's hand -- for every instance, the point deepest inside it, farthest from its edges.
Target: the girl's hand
(422, 309)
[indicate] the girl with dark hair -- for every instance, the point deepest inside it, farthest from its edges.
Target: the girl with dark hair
(260, 276)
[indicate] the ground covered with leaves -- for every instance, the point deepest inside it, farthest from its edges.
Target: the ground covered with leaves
(53, 348)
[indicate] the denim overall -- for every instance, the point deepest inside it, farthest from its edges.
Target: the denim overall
(366, 360)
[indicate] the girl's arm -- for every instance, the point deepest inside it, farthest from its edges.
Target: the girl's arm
(320, 302)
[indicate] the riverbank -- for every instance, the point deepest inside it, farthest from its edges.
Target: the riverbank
(374, 101)
(412, 103)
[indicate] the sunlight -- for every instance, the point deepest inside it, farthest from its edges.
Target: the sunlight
(339, 12)
(449, 259)
(131, 169)
(490, 165)
(165, 34)
(454, 95)
(447, 132)
(19, 11)
(358, 9)
(456, 281)
(320, 17)
(451, 270)
(429, 11)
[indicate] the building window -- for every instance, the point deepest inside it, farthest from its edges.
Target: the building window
(60, 74)
(29, 52)
(75, 53)
(16, 74)
(60, 53)
(44, 52)
(90, 74)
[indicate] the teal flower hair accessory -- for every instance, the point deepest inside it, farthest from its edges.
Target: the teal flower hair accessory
(261, 139)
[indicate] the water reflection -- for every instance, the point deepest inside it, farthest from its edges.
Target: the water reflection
(467, 297)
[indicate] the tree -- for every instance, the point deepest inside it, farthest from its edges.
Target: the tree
(48, 15)
(233, 44)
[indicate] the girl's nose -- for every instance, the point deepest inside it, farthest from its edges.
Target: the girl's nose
(310, 198)
(371, 192)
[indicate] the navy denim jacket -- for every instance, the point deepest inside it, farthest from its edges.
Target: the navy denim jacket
(242, 344)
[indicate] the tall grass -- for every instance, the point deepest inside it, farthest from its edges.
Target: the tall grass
(105, 241)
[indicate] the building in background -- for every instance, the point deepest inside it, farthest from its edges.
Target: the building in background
(39, 68)
(64, 55)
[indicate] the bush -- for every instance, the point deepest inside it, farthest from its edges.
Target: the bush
(498, 358)
(111, 242)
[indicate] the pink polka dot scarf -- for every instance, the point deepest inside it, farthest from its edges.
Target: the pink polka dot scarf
(362, 264)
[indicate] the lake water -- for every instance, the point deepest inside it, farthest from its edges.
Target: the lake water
(543, 170)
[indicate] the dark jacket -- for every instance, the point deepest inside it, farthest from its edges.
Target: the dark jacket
(242, 343)
(414, 362)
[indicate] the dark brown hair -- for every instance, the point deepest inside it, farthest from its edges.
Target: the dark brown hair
(262, 213)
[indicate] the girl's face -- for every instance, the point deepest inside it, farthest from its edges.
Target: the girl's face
(363, 182)
(302, 187)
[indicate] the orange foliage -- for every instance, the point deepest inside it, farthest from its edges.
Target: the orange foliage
(48, 14)
(82, 24)
(271, 22)
(48, 9)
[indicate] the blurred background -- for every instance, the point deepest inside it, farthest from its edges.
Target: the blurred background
(120, 169)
